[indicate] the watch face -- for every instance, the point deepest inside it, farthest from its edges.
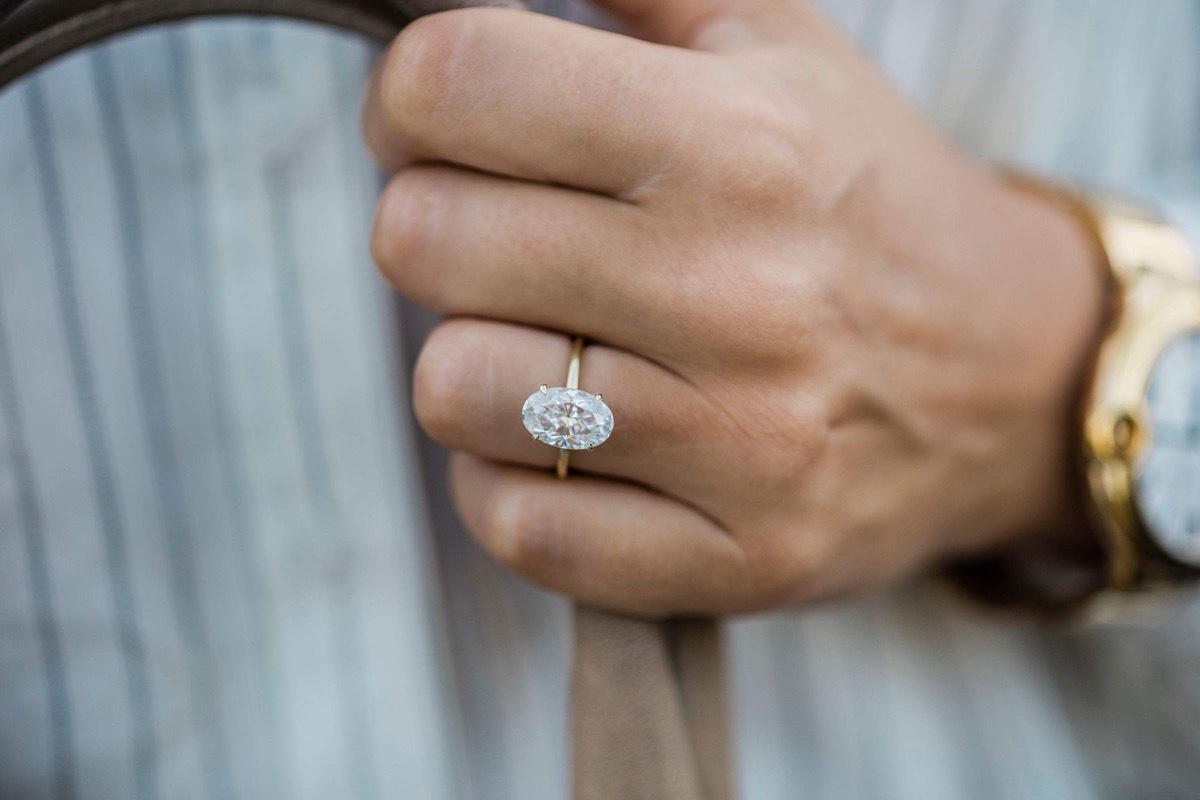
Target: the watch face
(1168, 483)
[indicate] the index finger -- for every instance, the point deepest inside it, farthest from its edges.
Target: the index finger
(533, 97)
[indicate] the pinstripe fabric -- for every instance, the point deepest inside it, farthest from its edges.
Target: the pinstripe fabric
(164, 454)
(43, 618)
(227, 567)
(213, 358)
(129, 644)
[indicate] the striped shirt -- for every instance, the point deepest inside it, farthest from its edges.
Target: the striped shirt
(228, 568)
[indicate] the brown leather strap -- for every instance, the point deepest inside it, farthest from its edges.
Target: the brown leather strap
(648, 699)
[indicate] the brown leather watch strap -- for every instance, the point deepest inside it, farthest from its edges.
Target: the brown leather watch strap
(648, 698)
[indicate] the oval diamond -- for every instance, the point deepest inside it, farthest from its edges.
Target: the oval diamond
(570, 419)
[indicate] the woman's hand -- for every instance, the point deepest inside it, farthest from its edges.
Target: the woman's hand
(837, 350)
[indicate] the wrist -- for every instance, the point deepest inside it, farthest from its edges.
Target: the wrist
(1051, 558)
(1059, 319)
(1072, 250)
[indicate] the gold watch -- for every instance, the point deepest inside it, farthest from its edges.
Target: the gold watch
(1141, 422)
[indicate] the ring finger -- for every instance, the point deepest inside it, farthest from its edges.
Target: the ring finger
(474, 375)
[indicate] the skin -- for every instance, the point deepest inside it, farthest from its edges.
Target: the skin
(838, 350)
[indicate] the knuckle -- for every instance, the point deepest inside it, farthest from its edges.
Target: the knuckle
(522, 533)
(784, 567)
(440, 382)
(801, 563)
(421, 68)
(406, 225)
(786, 442)
(776, 126)
(776, 469)
(783, 140)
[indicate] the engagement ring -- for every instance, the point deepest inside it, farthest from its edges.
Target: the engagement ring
(567, 417)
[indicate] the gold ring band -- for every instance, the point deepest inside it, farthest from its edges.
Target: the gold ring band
(573, 364)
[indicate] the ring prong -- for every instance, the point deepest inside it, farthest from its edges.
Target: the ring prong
(544, 389)
(591, 447)
(599, 396)
(536, 439)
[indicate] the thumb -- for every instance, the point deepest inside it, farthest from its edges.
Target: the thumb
(706, 24)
